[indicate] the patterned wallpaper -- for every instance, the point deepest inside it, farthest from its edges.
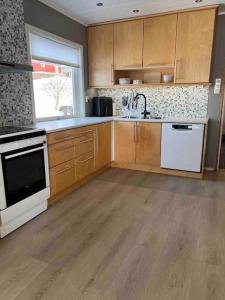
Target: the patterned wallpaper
(15, 91)
(164, 102)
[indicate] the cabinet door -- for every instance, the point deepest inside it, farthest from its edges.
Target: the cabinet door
(128, 44)
(148, 144)
(84, 166)
(62, 177)
(103, 145)
(195, 32)
(100, 55)
(159, 41)
(124, 141)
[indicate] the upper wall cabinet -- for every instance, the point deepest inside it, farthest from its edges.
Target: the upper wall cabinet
(160, 41)
(128, 44)
(194, 46)
(100, 55)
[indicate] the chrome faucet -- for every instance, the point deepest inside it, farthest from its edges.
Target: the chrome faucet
(145, 112)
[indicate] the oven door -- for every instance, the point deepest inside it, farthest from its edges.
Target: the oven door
(24, 173)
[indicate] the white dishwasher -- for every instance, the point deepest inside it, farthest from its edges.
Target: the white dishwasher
(181, 146)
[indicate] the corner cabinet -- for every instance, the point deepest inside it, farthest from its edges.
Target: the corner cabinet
(195, 31)
(128, 45)
(103, 145)
(137, 143)
(100, 55)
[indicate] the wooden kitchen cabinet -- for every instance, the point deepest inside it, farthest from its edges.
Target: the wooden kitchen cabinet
(100, 55)
(62, 177)
(84, 166)
(75, 155)
(60, 153)
(137, 143)
(124, 141)
(148, 144)
(128, 44)
(195, 32)
(159, 41)
(103, 145)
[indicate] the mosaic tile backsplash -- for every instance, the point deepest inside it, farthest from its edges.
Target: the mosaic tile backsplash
(15, 90)
(15, 100)
(164, 102)
(13, 46)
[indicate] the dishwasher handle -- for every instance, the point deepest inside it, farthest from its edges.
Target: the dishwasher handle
(182, 127)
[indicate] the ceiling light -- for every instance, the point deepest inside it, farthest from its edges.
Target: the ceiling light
(99, 4)
(136, 11)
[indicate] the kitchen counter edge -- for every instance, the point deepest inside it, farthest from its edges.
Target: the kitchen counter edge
(59, 125)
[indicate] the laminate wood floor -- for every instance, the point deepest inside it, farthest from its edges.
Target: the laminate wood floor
(125, 235)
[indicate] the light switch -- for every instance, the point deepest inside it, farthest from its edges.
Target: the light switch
(217, 87)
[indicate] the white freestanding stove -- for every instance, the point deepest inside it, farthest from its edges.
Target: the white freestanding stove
(24, 176)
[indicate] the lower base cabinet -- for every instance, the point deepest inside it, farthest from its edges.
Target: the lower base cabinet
(103, 145)
(75, 154)
(148, 144)
(124, 141)
(84, 166)
(137, 143)
(62, 177)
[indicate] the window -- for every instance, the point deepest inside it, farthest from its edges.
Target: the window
(57, 77)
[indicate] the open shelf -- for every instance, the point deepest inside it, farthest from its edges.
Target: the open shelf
(119, 86)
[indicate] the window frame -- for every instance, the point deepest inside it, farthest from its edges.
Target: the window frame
(78, 79)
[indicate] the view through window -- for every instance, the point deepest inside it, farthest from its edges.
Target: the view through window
(57, 76)
(53, 90)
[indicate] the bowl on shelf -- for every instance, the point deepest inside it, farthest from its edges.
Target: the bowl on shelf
(137, 81)
(124, 81)
(166, 78)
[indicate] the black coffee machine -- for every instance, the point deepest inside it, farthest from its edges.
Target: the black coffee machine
(102, 107)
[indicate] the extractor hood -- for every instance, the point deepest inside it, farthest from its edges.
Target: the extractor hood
(7, 67)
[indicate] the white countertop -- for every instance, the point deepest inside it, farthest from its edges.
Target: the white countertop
(57, 125)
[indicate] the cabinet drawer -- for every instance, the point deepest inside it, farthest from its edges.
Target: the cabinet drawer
(62, 177)
(83, 147)
(87, 135)
(60, 136)
(61, 152)
(84, 166)
(86, 132)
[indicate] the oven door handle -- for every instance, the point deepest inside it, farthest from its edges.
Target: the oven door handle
(25, 152)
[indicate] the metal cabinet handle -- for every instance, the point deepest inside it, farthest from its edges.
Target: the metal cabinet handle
(64, 170)
(64, 148)
(86, 132)
(158, 66)
(137, 137)
(177, 69)
(130, 67)
(63, 137)
(135, 132)
(112, 73)
(85, 160)
(86, 141)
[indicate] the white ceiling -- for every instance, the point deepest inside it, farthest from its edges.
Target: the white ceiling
(87, 12)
